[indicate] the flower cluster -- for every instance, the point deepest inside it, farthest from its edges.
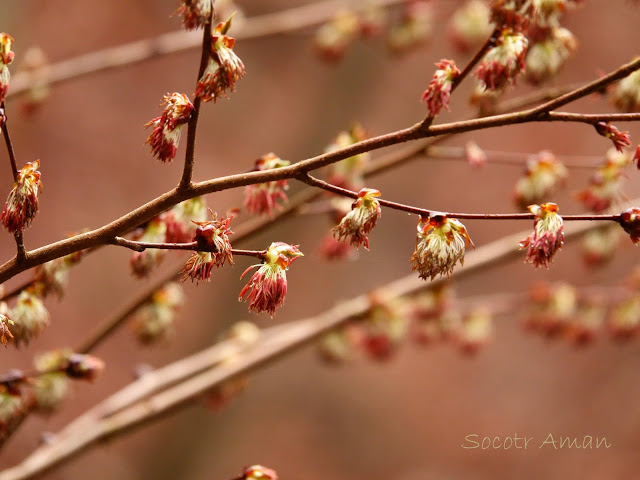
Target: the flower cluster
(267, 288)
(475, 329)
(384, 328)
(262, 198)
(224, 68)
(29, 317)
(437, 95)
(415, 26)
(257, 472)
(6, 57)
(600, 244)
(358, 223)
(212, 238)
(155, 231)
(626, 95)
(440, 244)
(182, 219)
(332, 38)
(630, 222)
(510, 13)
(546, 56)
(502, 64)
(605, 184)
(542, 176)
(5, 321)
(22, 203)
(165, 136)
(547, 236)
(349, 173)
(547, 13)
(469, 25)
(196, 13)
(475, 156)
(153, 321)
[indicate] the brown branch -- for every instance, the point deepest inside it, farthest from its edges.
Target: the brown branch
(110, 418)
(310, 180)
(192, 126)
(189, 246)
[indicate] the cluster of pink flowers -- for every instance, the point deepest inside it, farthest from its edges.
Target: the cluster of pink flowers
(213, 238)
(605, 184)
(543, 174)
(358, 223)
(196, 13)
(262, 198)
(547, 236)
(504, 62)
(437, 95)
(22, 204)
(165, 136)
(224, 68)
(267, 287)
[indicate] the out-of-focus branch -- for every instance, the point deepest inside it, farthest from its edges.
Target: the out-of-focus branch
(287, 21)
(124, 411)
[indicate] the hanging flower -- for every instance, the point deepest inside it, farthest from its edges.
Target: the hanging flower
(544, 173)
(29, 316)
(547, 56)
(475, 329)
(384, 328)
(262, 198)
(142, 263)
(166, 128)
(358, 223)
(605, 184)
(332, 38)
(620, 140)
(437, 95)
(502, 64)
(22, 203)
(414, 28)
(268, 286)
(80, 366)
(475, 156)
(626, 96)
(5, 333)
(510, 13)
(6, 57)
(224, 68)
(214, 236)
(441, 243)
(548, 12)
(599, 245)
(196, 13)
(182, 219)
(547, 236)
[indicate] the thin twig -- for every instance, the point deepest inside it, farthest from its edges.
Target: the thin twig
(189, 246)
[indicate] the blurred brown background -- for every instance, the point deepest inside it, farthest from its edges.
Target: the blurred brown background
(404, 420)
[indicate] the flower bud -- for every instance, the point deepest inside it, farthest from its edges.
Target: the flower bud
(435, 315)
(262, 198)
(51, 386)
(476, 157)
(437, 95)
(5, 322)
(469, 25)
(475, 330)
(551, 307)
(587, 322)
(335, 347)
(600, 245)
(630, 222)
(196, 13)
(619, 139)
(384, 328)
(83, 367)
(502, 63)
(440, 244)
(12, 406)
(182, 219)
(257, 472)
(142, 263)
(267, 287)
(624, 318)
(29, 316)
(358, 223)
(167, 128)
(35, 67)
(22, 203)
(224, 68)
(6, 57)
(544, 173)
(154, 320)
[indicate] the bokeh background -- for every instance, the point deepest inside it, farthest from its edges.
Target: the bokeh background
(404, 419)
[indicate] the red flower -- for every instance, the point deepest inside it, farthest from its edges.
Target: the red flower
(214, 237)
(547, 237)
(262, 198)
(502, 64)
(358, 223)
(22, 204)
(166, 128)
(268, 286)
(224, 69)
(437, 95)
(620, 139)
(630, 222)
